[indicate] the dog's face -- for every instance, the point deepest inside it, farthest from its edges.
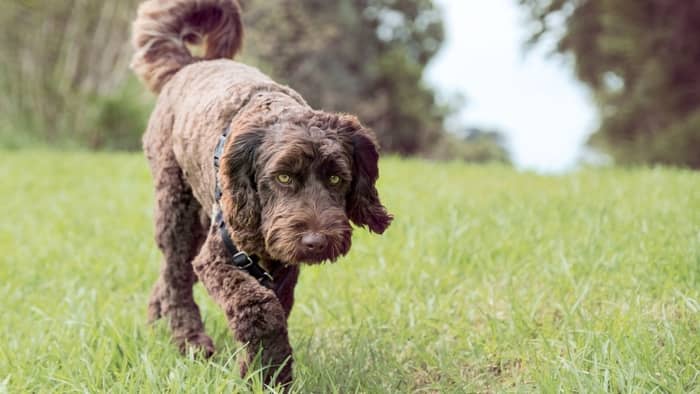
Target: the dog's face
(304, 183)
(303, 179)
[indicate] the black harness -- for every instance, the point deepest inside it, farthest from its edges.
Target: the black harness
(239, 258)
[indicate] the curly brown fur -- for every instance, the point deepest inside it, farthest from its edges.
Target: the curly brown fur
(293, 179)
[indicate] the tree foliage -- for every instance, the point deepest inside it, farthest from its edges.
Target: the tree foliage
(641, 58)
(64, 68)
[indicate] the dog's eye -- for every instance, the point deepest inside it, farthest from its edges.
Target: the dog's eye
(284, 179)
(334, 179)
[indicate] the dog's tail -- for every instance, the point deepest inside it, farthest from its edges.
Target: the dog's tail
(163, 29)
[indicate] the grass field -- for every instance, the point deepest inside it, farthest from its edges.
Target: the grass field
(488, 281)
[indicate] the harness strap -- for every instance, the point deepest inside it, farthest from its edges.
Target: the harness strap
(239, 259)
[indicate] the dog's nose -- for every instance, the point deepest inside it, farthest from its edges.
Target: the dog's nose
(313, 242)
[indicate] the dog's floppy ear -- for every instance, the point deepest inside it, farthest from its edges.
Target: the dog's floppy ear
(239, 199)
(363, 205)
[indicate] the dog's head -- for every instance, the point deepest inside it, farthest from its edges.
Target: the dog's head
(292, 186)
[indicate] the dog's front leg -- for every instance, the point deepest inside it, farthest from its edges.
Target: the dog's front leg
(254, 313)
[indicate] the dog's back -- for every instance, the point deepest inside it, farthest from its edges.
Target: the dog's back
(198, 96)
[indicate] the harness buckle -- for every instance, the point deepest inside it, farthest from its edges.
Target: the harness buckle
(267, 276)
(248, 261)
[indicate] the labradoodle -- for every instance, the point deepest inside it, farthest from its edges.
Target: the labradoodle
(250, 181)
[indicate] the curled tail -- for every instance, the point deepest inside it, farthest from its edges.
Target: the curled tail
(163, 28)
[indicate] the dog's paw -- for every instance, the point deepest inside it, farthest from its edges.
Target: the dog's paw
(200, 344)
(272, 375)
(154, 310)
(155, 303)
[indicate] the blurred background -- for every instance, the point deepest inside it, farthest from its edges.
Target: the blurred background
(546, 85)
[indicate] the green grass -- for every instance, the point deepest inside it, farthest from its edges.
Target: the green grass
(489, 280)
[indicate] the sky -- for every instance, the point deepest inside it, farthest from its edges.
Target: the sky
(533, 98)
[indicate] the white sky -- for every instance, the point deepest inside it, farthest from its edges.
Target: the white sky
(534, 99)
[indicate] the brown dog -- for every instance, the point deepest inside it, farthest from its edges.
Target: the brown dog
(286, 183)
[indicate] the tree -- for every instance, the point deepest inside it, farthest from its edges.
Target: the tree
(641, 59)
(474, 145)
